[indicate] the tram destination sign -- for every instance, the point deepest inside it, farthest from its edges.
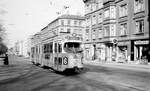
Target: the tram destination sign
(74, 37)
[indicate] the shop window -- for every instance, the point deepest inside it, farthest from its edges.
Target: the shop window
(139, 6)
(139, 26)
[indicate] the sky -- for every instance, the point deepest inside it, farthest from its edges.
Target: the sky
(22, 18)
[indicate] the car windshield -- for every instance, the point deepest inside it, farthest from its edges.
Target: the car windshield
(72, 47)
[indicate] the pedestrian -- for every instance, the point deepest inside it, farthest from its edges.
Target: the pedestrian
(6, 62)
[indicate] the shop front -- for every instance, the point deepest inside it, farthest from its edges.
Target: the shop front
(88, 52)
(122, 51)
(141, 50)
(110, 52)
(100, 52)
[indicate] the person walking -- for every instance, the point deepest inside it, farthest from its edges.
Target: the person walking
(6, 62)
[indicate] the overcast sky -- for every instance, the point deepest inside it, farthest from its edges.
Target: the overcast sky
(22, 18)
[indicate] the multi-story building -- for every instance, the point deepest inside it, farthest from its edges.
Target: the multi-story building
(116, 30)
(20, 48)
(64, 24)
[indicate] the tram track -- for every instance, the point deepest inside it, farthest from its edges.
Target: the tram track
(101, 84)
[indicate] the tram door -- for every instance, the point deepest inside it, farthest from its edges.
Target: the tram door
(58, 56)
(55, 56)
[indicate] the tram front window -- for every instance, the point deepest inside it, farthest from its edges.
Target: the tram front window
(72, 47)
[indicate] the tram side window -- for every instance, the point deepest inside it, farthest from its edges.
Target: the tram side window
(44, 48)
(51, 47)
(59, 48)
(55, 47)
(32, 51)
(36, 49)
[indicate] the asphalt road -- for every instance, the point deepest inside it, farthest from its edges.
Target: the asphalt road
(21, 75)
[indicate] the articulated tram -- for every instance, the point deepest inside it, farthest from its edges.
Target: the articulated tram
(59, 53)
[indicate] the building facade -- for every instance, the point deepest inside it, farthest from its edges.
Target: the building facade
(20, 48)
(64, 24)
(116, 30)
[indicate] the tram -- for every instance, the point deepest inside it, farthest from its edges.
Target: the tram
(63, 52)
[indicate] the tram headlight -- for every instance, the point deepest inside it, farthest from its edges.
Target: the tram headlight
(65, 60)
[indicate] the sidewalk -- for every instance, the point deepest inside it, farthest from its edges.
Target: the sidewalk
(136, 67)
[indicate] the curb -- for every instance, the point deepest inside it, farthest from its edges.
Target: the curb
(121, 66)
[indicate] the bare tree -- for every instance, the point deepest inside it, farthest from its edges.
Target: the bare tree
(3, 47)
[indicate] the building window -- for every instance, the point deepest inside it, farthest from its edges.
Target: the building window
(75, 23)
(62, 22)
(80, 23)
(106, 14)
(69, 22)
(113, 12)
(68, 30)
(100, 3)
(100, 18)
(93, 7)
(123, 10)
(87, 8)
(88, 22)
(76, 31)
(123, 29)
(113, 32)
(87, 31)
(138, 6)
(94, 35)
(139, 26)
(94, 20)
(100, 34)
(87, 37)
(107, 31)
(62, 30)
